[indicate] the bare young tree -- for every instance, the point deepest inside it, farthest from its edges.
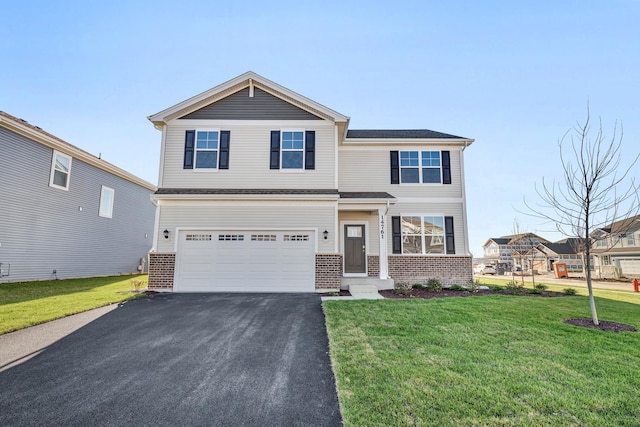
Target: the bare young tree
(596, 190)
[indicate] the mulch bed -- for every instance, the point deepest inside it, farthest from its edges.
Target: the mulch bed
(447, 293)
(603, 325)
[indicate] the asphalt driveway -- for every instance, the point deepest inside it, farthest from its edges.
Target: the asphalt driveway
(183, 359)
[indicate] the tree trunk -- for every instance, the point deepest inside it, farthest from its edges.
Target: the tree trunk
(587, 255)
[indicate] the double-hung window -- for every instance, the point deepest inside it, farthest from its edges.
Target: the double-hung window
(206, 153)
(420, 167)
(60, 171)
(292, 150)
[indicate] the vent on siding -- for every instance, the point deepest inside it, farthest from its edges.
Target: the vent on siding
(230, 236)
(263, 237)
(296, 237)
(198, 237)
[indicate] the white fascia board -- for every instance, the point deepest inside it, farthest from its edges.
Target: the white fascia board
(238, 197)
(238, 83)
(408, 141)
(73, 151)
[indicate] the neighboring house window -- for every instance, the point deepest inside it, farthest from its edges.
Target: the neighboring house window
(292, 149)
(631, 240)
(206, 149)
(420, 167)
(60, 171)
(601, 243)
(423, 235)
(106, 202)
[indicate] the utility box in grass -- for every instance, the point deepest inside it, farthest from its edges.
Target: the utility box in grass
(560, 268)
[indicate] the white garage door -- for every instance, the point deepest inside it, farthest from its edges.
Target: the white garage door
(245, 261)
(630, 267)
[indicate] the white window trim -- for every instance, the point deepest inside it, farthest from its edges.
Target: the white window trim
(195, 152)
(422, 215)
(304, 147)
(53, 169)
(420, 167)
(104, 189)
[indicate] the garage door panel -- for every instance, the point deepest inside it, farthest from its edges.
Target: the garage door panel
(241, 261)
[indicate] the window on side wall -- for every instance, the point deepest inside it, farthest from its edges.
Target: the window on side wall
(420, 167)
(107, 196)
(60, 171)
(423, 235)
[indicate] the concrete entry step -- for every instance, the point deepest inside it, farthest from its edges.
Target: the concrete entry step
(380, 284)
(364, 292)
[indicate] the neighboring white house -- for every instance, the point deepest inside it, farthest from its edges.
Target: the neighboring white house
(65, 212)
(616, 249)
(262, 189)
(544, 255)
(501, 250)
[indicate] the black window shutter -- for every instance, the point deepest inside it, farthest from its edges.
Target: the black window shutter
(396, 234)
(275, 149)
(189, 141)
(310, 149)
(395, 167)
(446, 168)
(448, 230)
(223, 157)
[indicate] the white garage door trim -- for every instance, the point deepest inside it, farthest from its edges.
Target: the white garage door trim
(245, 260)
(630, 266)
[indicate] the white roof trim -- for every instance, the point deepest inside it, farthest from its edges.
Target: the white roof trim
(234, 85)
(408, 141)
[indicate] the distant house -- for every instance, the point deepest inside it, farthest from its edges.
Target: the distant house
(544, 255)
(67, 213)
(616, 249)
(500, 250)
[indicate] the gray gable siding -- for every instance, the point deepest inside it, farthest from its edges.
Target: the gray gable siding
(43, 229)
(239, 106)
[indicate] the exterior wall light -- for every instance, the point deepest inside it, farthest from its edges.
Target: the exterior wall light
(166, 233)
(325, 233)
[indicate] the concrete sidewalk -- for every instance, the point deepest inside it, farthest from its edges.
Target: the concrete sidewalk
(19, 346)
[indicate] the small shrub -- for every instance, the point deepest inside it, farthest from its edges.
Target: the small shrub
(473, 285)
(434, 285)
(496, 288)
(335, 294)
(457, 288)
(569, 291)
(137, 284)
(541, 287)
(417, 286)
(402, 288)
(514, 288)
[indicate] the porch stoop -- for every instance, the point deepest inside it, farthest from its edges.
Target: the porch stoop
(380, 284)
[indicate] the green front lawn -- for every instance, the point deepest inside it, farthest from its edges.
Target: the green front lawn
(30, 303)
(494, 360)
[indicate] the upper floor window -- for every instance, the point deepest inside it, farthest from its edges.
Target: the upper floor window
(60, 171)
(293, 150)
(206, 150)
(106, 202)
(420, 167)
(601, 243)
(631, 240)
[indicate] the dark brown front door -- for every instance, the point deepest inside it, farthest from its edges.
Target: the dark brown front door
(355, 253)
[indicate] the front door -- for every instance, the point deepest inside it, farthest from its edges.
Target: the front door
(355, 251)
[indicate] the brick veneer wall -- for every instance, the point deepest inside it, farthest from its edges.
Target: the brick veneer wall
(373, 265)
(328, 271)
(450, 270)
(161, 268)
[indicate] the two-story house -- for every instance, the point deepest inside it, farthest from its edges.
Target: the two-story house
(568, 251)
(65, 212)
(507, 250)
(262, 189)
(616, 249)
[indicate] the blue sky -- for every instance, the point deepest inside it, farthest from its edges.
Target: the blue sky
(513, 75)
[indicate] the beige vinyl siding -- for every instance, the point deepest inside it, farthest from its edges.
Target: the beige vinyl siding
(249, 157)
(445, 209)
(371, 220)
(367, 168)
(242, 215)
